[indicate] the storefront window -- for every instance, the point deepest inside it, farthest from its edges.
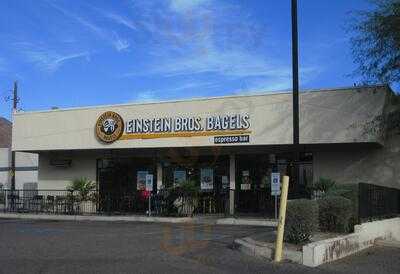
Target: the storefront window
(206, 179)
(179, 177)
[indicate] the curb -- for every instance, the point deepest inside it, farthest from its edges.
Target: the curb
(266, 250)
(252, 222)
(174, 220)
(382, 233)
(96, 218)
(388, 243)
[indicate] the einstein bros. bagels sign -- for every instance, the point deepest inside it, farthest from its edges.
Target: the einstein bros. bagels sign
(110, 127)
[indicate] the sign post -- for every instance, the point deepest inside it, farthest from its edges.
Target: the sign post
(149, 187)
(276, 189)
(281, 221)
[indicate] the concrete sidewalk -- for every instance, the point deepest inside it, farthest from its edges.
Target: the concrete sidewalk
(140, 218)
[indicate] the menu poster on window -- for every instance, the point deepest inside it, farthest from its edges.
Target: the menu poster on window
(245, 185)
(225, 183)
(179, 177)
(149, 182)
(141, 180)
(207, 178)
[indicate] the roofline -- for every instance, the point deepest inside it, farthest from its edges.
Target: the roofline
(248, 94)
(373, 144)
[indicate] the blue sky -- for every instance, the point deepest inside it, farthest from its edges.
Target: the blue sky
(78, 53)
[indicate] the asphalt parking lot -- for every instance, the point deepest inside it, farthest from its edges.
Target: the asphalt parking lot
(102, 247)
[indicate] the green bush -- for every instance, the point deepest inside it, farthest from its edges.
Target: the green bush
(324, 184)
(188, 193)
(301, 220)
(190, 188)
(84, 187)
(335, 213)
(348, 191)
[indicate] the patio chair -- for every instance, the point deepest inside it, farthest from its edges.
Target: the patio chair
(13, 202)
(60, 204)
(49, 204)
(36, 203)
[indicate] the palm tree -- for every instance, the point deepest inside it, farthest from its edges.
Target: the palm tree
(84, 187)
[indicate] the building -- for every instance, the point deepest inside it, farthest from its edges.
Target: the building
(227, 145)
(26, 174)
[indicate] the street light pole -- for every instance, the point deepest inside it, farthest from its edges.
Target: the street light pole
(295, 75)
(15, 103)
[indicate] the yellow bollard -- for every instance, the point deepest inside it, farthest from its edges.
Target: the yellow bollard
(281, 221)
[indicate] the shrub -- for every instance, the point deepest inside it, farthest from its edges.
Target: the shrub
(335, 213)
(301, 220)
(190, 188)
(84, 187)
(181, 200)
(348, 191)
(324, 184)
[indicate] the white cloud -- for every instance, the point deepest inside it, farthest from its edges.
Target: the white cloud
(47, 59)
(277, 82)
(232, 63)
(110, 36)
(208, 39)
(51, 61)
(185, 5)
(184, 90)
(120, 19)
(84, 22)
(218, 40)
(119, 43)
(146, 96)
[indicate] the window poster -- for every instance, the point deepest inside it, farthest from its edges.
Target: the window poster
(149, 182)
(179, 177)
(141, 180)
(245, 185)
(207, 178)
(225, 183)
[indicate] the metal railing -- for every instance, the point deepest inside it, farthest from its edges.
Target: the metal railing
(164, 203)
(48, 201)
(377, 201)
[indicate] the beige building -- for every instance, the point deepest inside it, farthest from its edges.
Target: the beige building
(229, 146)
(26, 169)
(26, 164)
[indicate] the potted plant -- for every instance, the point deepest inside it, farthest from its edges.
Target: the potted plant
(188, 198)
(86, 194)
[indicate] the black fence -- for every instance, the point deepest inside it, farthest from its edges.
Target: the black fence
(255, 202)
(48, 201)
(164, 203)
(377, 202)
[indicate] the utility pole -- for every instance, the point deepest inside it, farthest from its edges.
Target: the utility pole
(15, 104)
(295, 75)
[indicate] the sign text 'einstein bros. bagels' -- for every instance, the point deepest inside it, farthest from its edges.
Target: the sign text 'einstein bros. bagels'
(150, 128)
(178, 124)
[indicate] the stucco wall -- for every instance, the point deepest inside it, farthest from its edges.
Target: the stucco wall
(380, 166)
(365, 235)
(22, 160)
(325, 117)
(58, 178)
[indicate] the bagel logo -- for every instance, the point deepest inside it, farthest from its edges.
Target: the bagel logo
(109, 127)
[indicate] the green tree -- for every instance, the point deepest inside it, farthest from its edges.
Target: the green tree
(375, 44)
(84, 187)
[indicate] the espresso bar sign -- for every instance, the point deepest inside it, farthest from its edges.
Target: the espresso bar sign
(179, 124)
(111, 127)
(231, 139)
